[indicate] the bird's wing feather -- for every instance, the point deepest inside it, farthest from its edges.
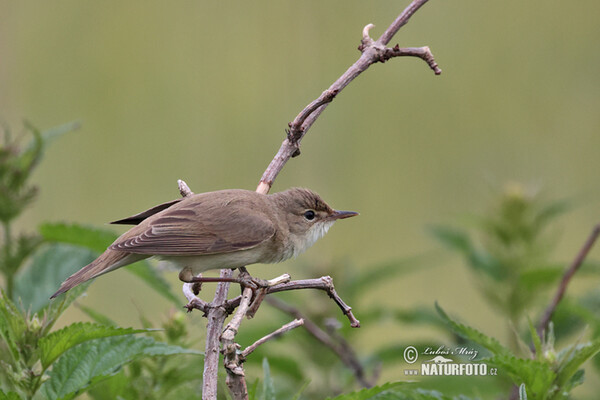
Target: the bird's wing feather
(182, 230)
(138, 218)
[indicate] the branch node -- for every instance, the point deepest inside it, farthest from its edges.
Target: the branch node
(366, 41)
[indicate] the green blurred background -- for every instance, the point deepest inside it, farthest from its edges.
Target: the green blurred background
(203, 90)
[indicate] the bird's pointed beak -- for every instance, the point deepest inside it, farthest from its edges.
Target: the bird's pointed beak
(342, 214)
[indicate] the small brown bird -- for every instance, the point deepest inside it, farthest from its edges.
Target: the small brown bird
(223, 229)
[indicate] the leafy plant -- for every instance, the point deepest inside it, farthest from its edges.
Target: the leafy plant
(35, 361)
(541, 374)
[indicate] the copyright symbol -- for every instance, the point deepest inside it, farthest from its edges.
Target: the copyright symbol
(411, 354)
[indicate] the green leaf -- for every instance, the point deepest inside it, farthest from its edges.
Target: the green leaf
(522, 392)
(12, 325)
(49, 135)
(51, 264)
(268, 388)
(572, 357)
(92, 360)
(96, 316)
(473, 334)
(98, 240)
(384, 272)
(9, 396)
(576, 380)
(537, 376)
(370, 393)
(56, 343)
(452, 238)
(301, 390)
(534, 279)
(145, 272)
(537, 342)
(252, 389)
(80, 235)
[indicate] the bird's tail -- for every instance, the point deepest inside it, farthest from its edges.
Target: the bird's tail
(108, 261)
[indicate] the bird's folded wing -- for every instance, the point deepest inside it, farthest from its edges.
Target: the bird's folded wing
(138, 218)
(179, 231)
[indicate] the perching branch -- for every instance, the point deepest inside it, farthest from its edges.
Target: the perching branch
(373, 51)
(217, 311)
(568, 275)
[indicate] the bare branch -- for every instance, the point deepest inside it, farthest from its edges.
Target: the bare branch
(372, 52)
(348, 358)
(401, 21)
(194, 302)
(285, 328)
(216, 318)
(324, 283)
(562, 288)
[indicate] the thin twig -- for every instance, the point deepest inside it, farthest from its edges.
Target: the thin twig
(568, 275)
(194, 302)
(285, 328)
(372, 52)
(348, 358)
(324, 283)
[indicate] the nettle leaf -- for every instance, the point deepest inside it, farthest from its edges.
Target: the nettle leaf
(80, 235)
(50, 265)
(538, 376)
(56, 343)
(572, 357)
(12, 325)
(474, 335)
(535, 278)
(370, 393)
(96, 359)
(98, 240)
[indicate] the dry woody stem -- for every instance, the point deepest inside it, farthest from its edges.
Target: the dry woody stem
(568, 275)
(246, 305)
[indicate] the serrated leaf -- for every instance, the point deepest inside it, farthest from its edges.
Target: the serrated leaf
(80, 235)
(12, 325)
(268, 388)
(576, 380)
(56, 343)
(79, 366)
(370, 393)
(572, 357)
(98, 240)
(538, 376)
(473, 334)
(537, 342)
(50, 265)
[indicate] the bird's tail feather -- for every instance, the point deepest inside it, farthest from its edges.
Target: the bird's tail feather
(108, 261)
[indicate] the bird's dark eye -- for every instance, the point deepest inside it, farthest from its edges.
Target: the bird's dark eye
(309, 215)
